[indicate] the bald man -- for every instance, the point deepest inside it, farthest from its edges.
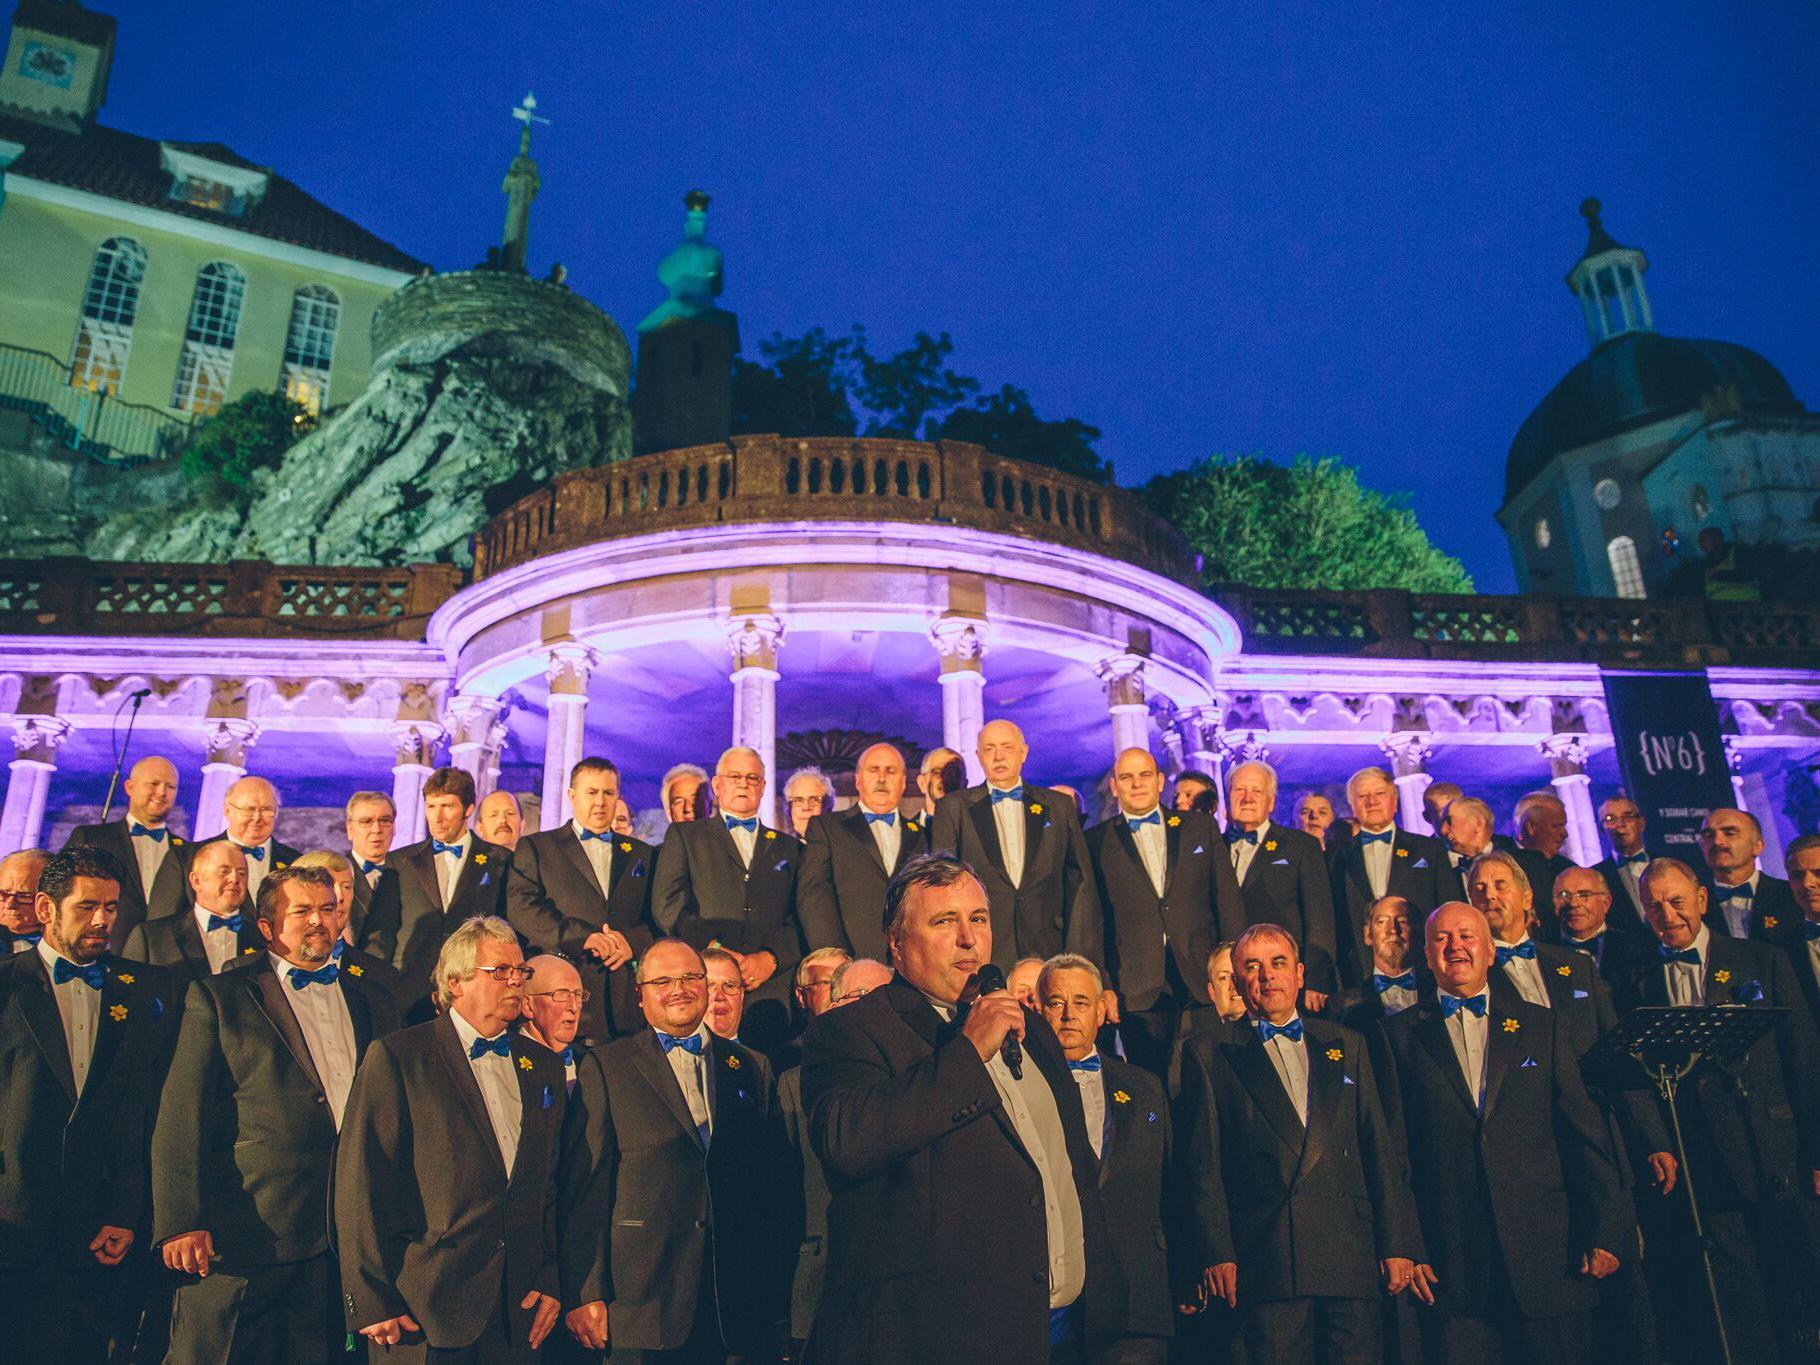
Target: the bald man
(251, 808)
(216, 929)
(150, 853)
(498, 819)
(849, 855)
(553, 1009)
(1025, 844)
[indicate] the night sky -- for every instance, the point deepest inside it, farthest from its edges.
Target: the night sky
(1231, 227)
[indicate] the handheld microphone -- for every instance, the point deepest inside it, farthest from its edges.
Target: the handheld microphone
(988, 979)
(140, 695)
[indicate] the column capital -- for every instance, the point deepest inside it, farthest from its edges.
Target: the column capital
(1408, 752)
(226, 740)
(960, 641)
(1123, 677)
(754, 639)
(414, 743)
(1566, 755)
(1734, 754)
(568, 665)
(1242, 746)
(37, 738)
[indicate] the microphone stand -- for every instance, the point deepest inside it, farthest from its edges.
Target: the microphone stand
(138, 700)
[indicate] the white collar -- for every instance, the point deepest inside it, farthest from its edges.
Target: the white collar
(606, 837)
(465, 1031)
(50, 955)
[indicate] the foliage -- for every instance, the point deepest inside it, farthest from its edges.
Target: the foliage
(1306, 525)
(250, 433)
(822, 385)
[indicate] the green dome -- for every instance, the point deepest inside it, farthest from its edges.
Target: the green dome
(1635, 379)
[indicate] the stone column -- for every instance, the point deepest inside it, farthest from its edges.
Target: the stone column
(1734, 769)
(413, 760)
(1123, 676)
(1566, 755)
(571, 665)
(1200, 730)
(1408, 752)
(753, 642)
(961, 642)
(476, 737)
(36, 740)
(224, 745)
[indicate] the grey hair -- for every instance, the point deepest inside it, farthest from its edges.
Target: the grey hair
(38, 857)
(368, 799)
(1506, 861)
(1070, 962)
(461, 952)
(1264, 929)
(839, 978)
(814, 774)
(326, 859)
(1472, 805)
(1373, 771)
(1263, 767)
(819, 955)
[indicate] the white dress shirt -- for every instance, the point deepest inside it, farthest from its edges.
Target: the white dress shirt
(21, 946)
(1525, 973)
(1377, 857)
(1469, 1034)
(1631, 876)
(1738, 912)
(448, 868)
(1289, 1059)
(887, 834)
(150, 853)
(1092, 1085)
(1687, 981)
(328, 1030)
(744, 840)
(1008, 816)
(498, 1081)
(599, 853)
(219, 944)
(1152, 846)
(1243, 852)
(692, 1076)
(1394, 999)
(256, 868)
(79, 1006)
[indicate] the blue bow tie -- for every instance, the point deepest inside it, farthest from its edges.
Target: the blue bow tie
(32, 938)
(1691, 956)
(1086, 1063)
(339, 948)
(1811, 929)
(91, 974)
(1241, 836)
(691, 1044)
(1381, 983)
(1630, 859)
(568, 1056)
(734, 822)
(1137, 822)
(1292, 1030)
(367, 868)
(139, 831)
(233, 921)
(437, 846)
(888, 819)
(605, 835)
(1591, 945)
(1743, 891)
(1381, 837)
(1013, 794)
(1453, 1004)
(323, 976)
(481, 1046)
(1504, 952)
(258, 853)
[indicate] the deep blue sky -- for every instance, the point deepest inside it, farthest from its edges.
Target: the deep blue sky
(1233, 226)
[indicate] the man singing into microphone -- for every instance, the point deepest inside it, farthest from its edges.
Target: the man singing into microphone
(923, 1129)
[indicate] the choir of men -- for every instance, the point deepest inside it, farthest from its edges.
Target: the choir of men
(1239, 1090)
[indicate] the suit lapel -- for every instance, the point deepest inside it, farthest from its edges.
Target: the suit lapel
(987, 827)
(420, 863)
(461, 1074)
(471, 869)
(655, 1067)
(1260, 1080)
(1323, 1097)
(1431, 1032)
(570, 844)
(1503, 1045)
(854, 822)
(916, 1012)
(722, 838)
(360, 1014)
(39, 1003)
(530, 1099)
(1127, 841)
(111, 1022)
(1034, 823)
(269, 994)
(1172, 854)
(189, 942)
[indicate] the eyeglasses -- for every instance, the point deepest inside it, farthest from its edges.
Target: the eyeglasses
(18, 897)
(252, 810)
(663, 983)
(742, 779)
(727, 988)
(374, 822)
(1580, 897)
(563, 996)
(1610, 820)
(806, 800)
(507, 975)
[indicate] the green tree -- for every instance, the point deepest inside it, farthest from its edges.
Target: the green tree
(250, 433)
(802, 388)
(1007, 425)
(902, 392)
(1306, 525)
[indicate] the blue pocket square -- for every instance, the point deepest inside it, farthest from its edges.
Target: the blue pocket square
(1750, 991)
(638, 869)
(548, 1098)
(485, 877)
(1579, 995)
(1279, 862)
(1347, 1080)
(1150, 1116)
(1529, 1061)
(782, 866)
(157, 1007)
(1198, 849)
(1421, 862)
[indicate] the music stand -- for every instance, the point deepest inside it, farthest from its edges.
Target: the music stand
(1669, 1043)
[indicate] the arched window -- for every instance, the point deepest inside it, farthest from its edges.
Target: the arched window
(1626, 569)
(207, 362)
(110, 304)
(309, 346)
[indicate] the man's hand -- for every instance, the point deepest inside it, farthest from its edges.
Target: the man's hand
(1598, 1264)
(1422, 1284)
(1397, 1272)
(1112, 1006)
(391, 1331)
(1223, 1282)
(990, 1019)
(1314, 1001)
(546, 1309)
(190, 1253)
(1816, 1179)
(588, 1325)
(610, 946)
(111, 1244)
(1664, 1168)
(757, 967)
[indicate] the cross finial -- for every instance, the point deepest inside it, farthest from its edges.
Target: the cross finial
(526, 114)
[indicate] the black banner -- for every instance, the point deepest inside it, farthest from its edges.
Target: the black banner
(1669, 750)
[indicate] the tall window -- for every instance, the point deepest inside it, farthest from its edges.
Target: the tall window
(309, 346)
(1626, 569)
(109, 305)
(207, 362)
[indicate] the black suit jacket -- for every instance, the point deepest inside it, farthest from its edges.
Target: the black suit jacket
(1530, 1181)
(1360, 1007)
(170, 887)
(1199, 906)
(70, 1165)
(282, 855)
(1053, 908)
(914, 1139)
(1420, 872)
(644, 1202)
(1772, 910)
(554, 902)
(1755, 1125)
(427, 1219)
(373, 918)
(1305, 1211)
(245, 1139)
(705, 894)
(1791, 939)
(1289, 885)
(177, 943)
(1136, 1166)
(422, 924)
(840, 891)
(1626, 914)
